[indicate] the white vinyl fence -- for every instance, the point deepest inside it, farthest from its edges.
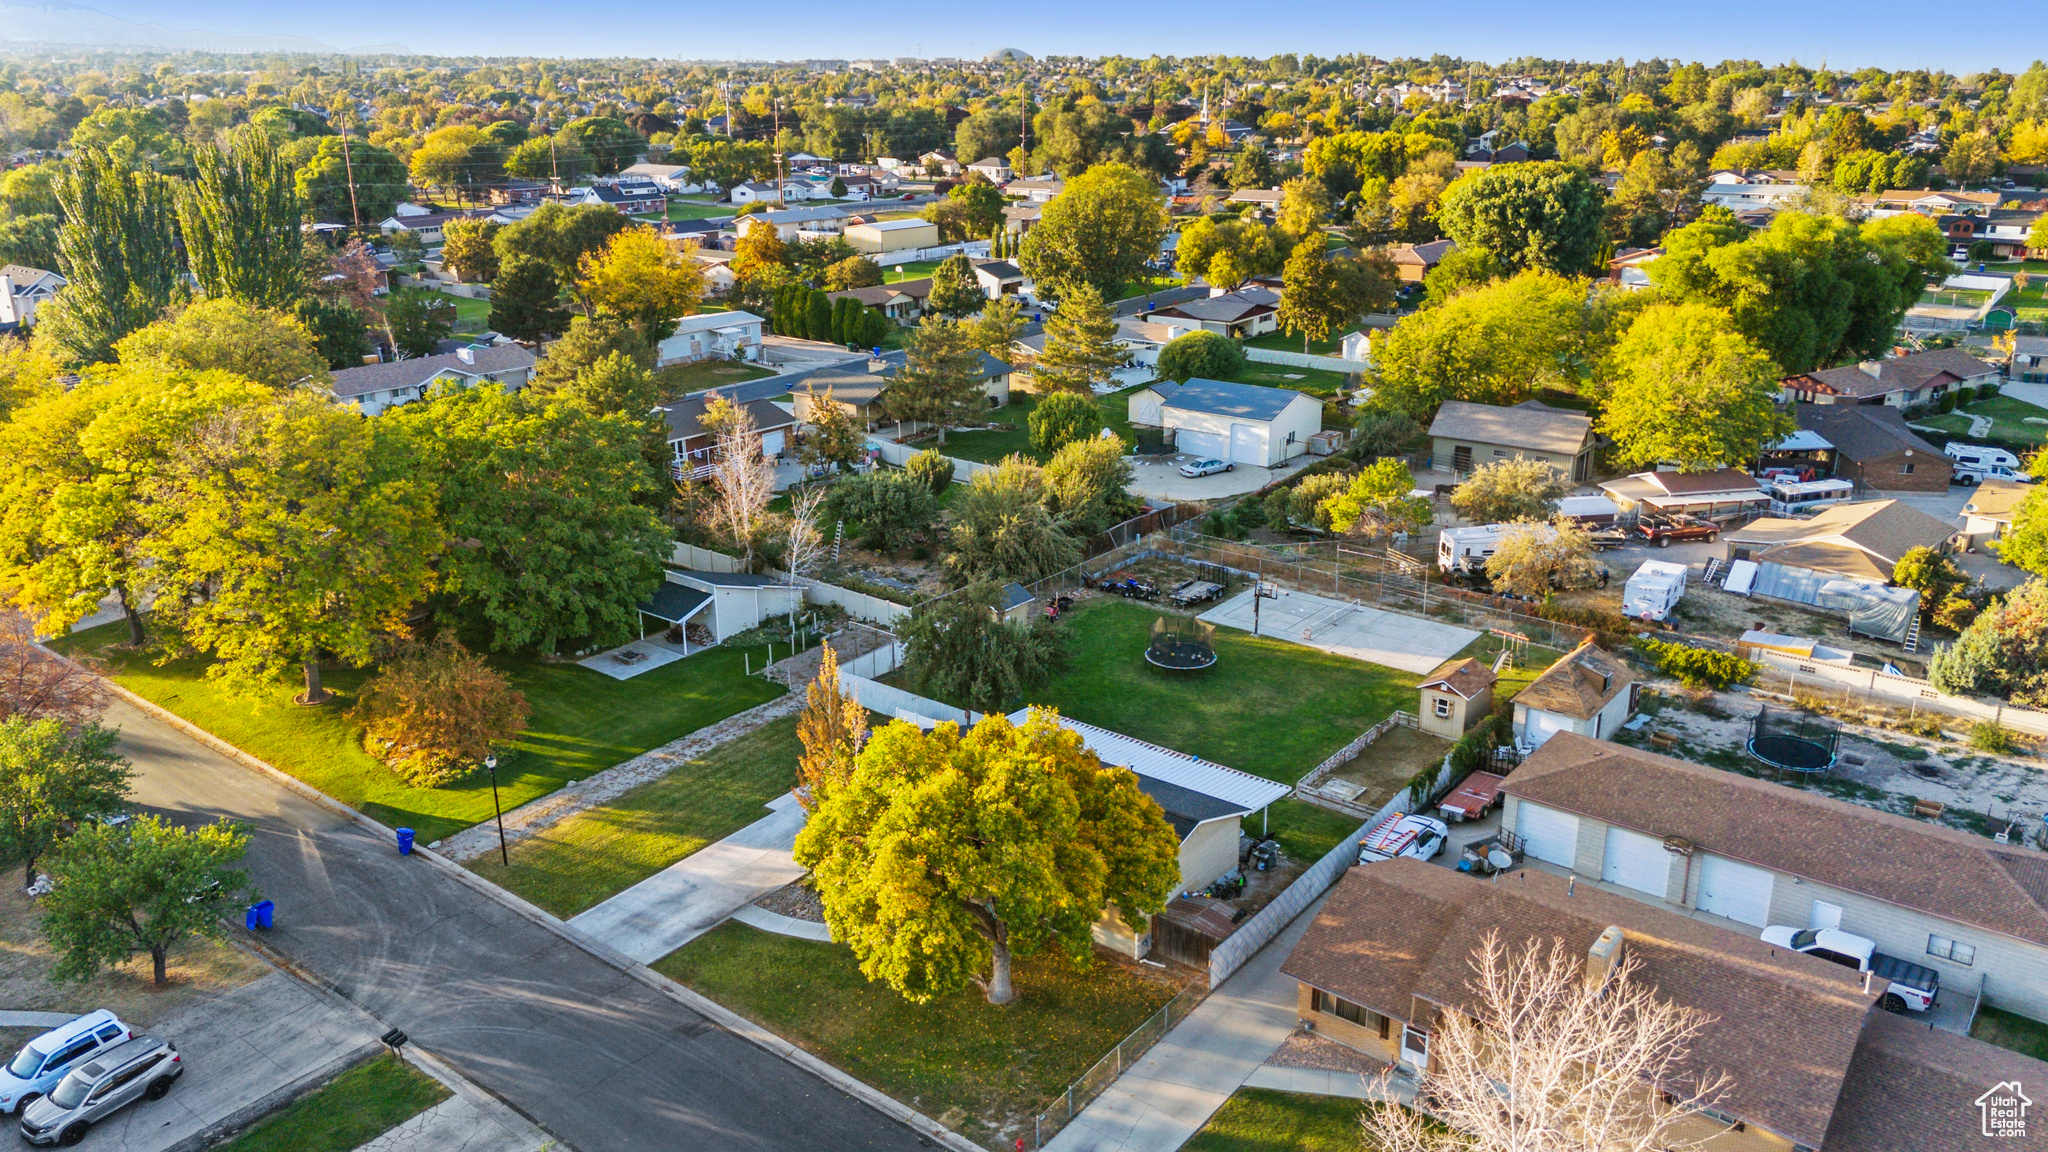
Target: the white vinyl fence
(1302, 360)
(880, 662)
(1253, 934)
(1905, 691)
(898, 704)
(974, 248)
(858, 605)
(899, 454)
(702, 559)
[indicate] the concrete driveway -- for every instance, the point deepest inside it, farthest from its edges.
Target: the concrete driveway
(1159, 478)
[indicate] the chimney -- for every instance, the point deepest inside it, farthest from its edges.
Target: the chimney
(1872, 368)
(1602, 959)
(466, 354)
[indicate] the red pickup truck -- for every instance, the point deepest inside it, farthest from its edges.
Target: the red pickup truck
(1662, 530)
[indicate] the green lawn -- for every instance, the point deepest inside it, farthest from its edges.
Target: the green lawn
(1269, 707)
(585, 859)
(470, 315)
(1305, 832)
(689, 377)
(915, 270)
(2008, 1030)
(1287, 342)
(697, 209)
(1263, 1120)
(1148, 286)
(2031, 302)
(1957, 297)
(1314, 381)
(2008, 421)
(976, 1068)
(991, 447)
(582, 723)
(354, 1108)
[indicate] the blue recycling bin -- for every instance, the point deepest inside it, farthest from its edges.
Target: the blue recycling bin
(405, 841)
(265, 912)
(251, 919)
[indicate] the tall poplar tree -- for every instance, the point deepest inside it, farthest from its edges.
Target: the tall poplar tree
(241, 214)
(119, 254)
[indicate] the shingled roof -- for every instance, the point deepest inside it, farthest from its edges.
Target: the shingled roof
(1581, 683)
(1783, 1026)
(1939, 871)
(1905, 373)
(1533, 426)
(1468, 678)
(1946, 1073)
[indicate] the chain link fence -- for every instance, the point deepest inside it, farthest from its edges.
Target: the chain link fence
(1093, 1082)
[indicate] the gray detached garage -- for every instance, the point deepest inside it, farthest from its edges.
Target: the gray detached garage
(1241, 423)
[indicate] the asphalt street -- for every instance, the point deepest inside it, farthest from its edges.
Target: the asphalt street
(597, 1058)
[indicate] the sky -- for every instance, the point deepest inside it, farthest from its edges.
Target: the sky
(1847, 34)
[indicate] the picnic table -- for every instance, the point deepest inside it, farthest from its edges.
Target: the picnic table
(1194, 592)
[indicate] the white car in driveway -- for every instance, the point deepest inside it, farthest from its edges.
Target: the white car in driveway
(1206, 467)
(1417, 837)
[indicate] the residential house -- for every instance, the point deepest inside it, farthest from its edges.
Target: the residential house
(1874, 446)
(376, 387)
(998, 278)
(1268, 199)
(1035, 189)
(1754, 853)
(864, 394)
(1723, 494)
(691, 445)
(1860, 540)
(1629, 268)
(717, 267)
(22, 291)
(1239, 423)
(945, 163)
(1389, 957)
(1950, 1074)
(1238, 315)
(994, 168)
(1412, 262)
(1930, 202)
(2029, 364)
(1455, 697)
(1588, 692)
(902, 301)
(1465, 436)
(1988, 516)
(712, 336)
(794, 224)
(427, 226)
(1021, 218)
(633, 199)
(1752, 190)
(1901, 382)
(1237, 131)
(759, 191)
(673, 179)
(888, 237)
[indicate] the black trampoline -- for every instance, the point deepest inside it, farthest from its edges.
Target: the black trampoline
(1792, 742)
(1181, 644)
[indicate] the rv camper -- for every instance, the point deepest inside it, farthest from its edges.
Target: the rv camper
(1653, 590)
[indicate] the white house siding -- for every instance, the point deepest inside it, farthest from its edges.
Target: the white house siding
(1145, 408)
(1301, 419)
(1208, 852)
(2015, 972)
(1539, 724)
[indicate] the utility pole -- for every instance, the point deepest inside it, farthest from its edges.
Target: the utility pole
(355, 214)
(554, 169)
(1023, 126)
(779, 202)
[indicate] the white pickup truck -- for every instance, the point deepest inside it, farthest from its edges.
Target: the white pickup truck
(1420, 837)
(1910, 986)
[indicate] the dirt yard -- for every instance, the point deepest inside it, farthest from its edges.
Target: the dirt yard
(1875, 768)
(199, 970)
(1388, 763)
(1723, 616)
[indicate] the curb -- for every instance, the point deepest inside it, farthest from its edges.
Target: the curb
(249, 1114)
(709, 1009)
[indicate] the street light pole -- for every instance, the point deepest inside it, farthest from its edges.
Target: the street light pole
(491, 763)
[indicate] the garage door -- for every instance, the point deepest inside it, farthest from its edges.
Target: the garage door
(1636, 861)
(1202, 443)
(771, 444)
(1248, 444)
(1738, 891)
(1548, 834)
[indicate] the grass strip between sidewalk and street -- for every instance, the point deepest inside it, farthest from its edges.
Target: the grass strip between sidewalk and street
(585, 859)
(354, 1108)
(1264, 1120)
(981, 1070)
(583, 722)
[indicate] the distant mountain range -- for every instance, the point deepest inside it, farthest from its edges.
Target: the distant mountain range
(56, 22)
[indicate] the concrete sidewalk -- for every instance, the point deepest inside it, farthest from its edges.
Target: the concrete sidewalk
(471, 1120)
(1168, 1095)
(676, 905)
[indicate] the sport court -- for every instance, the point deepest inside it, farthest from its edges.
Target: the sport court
(1385, 638)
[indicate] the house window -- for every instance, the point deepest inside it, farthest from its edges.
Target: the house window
(1497, 452)
(1365, 1018)
(1948, 949)
(1906, 469)
(1443, 706)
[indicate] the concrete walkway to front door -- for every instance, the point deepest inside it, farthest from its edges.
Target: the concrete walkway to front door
(1168, 1095)
(690, 897)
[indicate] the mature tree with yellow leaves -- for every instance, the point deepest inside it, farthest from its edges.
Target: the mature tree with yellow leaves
(640, 280)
